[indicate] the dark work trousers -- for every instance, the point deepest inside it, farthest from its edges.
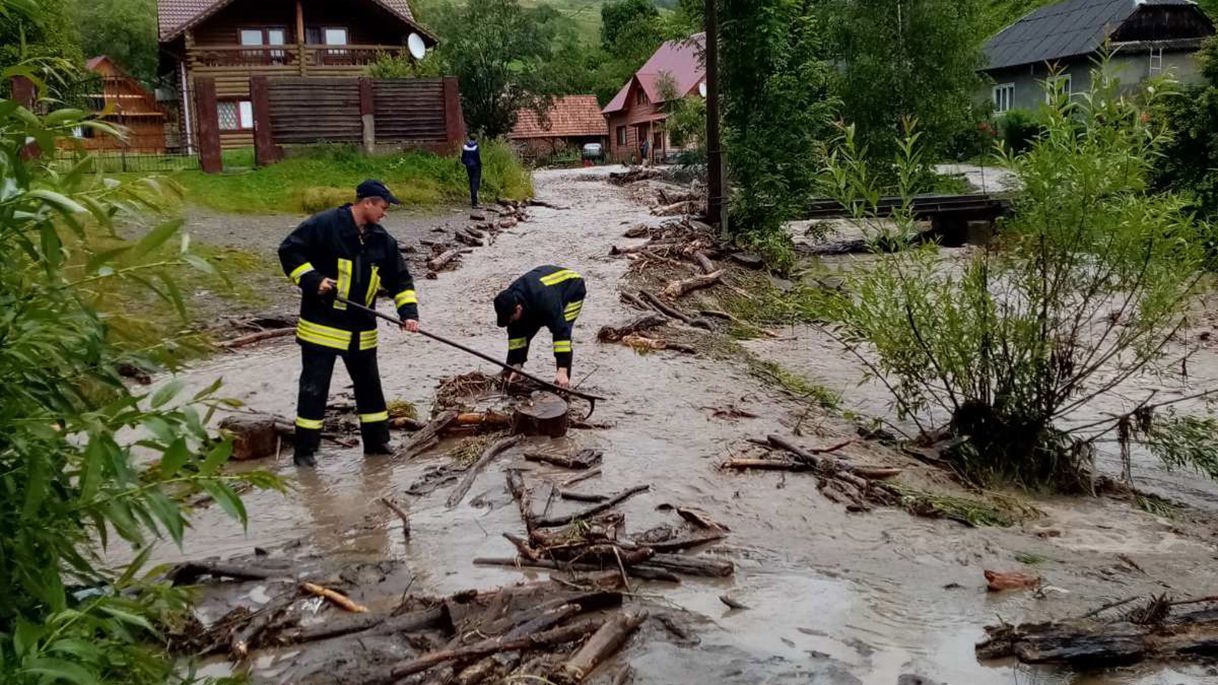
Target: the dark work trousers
(475, 183)
(318, 367)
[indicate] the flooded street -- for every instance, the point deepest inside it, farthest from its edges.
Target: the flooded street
(834, 597)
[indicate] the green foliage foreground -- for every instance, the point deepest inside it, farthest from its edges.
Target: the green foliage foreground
(85, 461)
(1084, 288)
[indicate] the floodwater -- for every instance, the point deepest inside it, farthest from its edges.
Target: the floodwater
(834, 598)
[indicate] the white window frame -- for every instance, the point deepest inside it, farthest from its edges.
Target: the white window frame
(1001, 104)
(1052, 82)
(244, 113)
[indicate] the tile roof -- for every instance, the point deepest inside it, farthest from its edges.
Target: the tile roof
(571, 115)
(680, 59)
(175, 16)
(1066, 29)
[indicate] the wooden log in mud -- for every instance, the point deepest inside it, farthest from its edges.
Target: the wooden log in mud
(407, 424)
(401, 514)
(637, 231)
(428, 437)
(337, 598)
(704, 263)
(254, 436)
(515, 483)
(582, 497)
(241, 642)
(678, 289)
(544, 414)
(549, 638)
(639, 325)
(494, 450)
(252, 338)
(490, 420)
(373, 624)
(693, 565)
(671, 311)
(583, 459)
(695, 516)
(634, 301)
(1151, 631)
(443, 260)
(466, 239)
(639, 342)
(640, 571)
(555, 521)
(678, 544)
(604, 643)
(645, 248)
(189, 572)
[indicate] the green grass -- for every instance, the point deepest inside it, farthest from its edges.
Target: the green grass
(803, 388)
(1031, 558)
(322, 176)
(971, 512)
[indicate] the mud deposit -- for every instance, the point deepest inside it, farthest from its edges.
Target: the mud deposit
(832, 597)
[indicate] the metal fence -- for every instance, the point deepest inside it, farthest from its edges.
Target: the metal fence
(120, 161)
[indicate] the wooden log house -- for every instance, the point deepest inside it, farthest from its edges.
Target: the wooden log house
(234, 40)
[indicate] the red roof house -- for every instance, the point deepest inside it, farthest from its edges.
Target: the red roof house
(636, 113)
(572, 121)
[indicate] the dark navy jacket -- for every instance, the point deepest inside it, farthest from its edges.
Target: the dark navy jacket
(552, 297)
(471, 156)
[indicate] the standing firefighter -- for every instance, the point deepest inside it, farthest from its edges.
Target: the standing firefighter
(549, 296)
(471, 157)
(345, 252)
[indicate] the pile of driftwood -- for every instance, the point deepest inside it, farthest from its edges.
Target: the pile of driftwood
(1143, 629)
(634, 174)
(485, 226)
(546, 630)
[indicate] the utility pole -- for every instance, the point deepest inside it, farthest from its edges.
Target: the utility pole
(715, 208)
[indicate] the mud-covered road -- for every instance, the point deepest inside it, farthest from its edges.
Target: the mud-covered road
(834, 597)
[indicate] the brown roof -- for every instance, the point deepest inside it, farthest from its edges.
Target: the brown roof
(570, 116)
(176, 16)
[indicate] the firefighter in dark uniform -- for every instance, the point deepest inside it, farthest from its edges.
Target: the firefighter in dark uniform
(548, 296)
(345, 252)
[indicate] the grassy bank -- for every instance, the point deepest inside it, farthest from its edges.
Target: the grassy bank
(322, 176)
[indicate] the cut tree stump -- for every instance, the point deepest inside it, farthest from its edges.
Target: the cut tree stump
(544, 414)
(254, 437)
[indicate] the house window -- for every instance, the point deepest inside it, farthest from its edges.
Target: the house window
(621, 135)
(235, 115)
(264, 37)
(1004, 96)
(640, 97)
(1057, 84)
(335, 35)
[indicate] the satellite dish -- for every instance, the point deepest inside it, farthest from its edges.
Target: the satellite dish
(418, 49)
(702, 89)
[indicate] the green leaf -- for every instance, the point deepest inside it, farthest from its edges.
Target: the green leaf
(175, 295)
(63, 116)
(127, 617)
(228, 500)
(60, 669)
(81, 649)
(175, 458)
(216, 458)
(200, 264)
(100, 259)
(156, 238)
(168, 513)
(166, 393)
(134, 567)
(209, 390)
(59, 201)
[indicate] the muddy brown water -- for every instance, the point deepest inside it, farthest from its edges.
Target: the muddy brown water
(834, 598)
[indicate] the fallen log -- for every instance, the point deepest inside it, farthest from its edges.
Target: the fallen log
(639, 342)
(639, 325)
(583, 459)
(615, 251)
(401, 514)
(189, 572)
(239, 646)
(548, 638)
(672, 311)
(407, 424)
(635, 302)
(256, 337)
(683, 207)
(438, 263)
(693, 566)
(640, 571)
(428, 437)
(494, 450)
(767, 465)
(254, 436)
(580, 478)
(705, 263)
(337, 598)
(679, 289)
(637, 231)
(373, 624)
(515, 482)
(544, 414)
(581, 497)
(604, 643)
(678, 544)
(555, 521)
(490, 419)
(466, 239)
(697, 517)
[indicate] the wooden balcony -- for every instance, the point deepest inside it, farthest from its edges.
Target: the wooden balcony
(312, 59)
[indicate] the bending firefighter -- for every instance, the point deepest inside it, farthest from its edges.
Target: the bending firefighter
(549, 296)
(345, 252)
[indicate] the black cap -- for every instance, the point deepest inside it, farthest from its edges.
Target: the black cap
(505, 307)
(374, 188)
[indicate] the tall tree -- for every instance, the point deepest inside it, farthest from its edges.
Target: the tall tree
(777, 109)
(622, 18)
(124, 31)
(499, 51)
(907, 58)
(47, 33)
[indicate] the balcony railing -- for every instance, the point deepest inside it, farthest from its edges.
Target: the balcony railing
(290, 55)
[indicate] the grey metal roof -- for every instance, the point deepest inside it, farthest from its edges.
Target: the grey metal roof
(1067, 29)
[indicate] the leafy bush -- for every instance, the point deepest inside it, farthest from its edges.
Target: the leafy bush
(1018, 129)
(84, 459)
(1086, 285)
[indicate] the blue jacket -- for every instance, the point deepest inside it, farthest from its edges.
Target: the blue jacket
(471, 157)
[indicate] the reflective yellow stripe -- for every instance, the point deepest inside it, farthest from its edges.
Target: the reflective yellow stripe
(374, 284)
(374, 418)
(308, 423)
(577, 305)
(344, 283)
(562, 346)
(405, 297)
(325, 336)
(559, 277)
(300, 271)
(572, 311)
(518, 343)
(571, 316)
(367, 340)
